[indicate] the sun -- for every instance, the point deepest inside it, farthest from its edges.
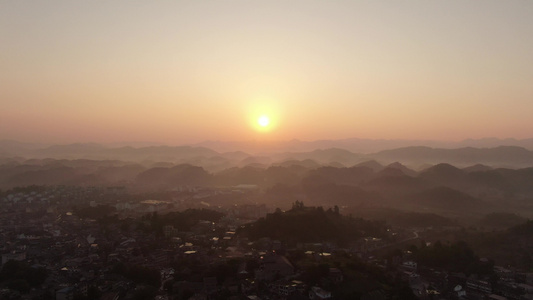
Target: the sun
(263, 121)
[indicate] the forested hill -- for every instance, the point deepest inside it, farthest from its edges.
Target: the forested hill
(312, 224)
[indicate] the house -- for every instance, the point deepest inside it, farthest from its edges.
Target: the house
(65, 293)
(335, 275)
(496, 297)
(15, 255)
(374, 295)
(479, 285)
(210, 284)
(272, 266)
(319, 293)
(409, 265)
(458, 291)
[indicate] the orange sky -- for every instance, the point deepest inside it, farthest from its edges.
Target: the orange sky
(187, 71)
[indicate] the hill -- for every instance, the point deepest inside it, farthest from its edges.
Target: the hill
(311, 224)
(445, 198)
(503, 156)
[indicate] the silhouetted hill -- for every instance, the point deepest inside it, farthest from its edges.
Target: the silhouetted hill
(347, 176)
(310, 224)
(319, 192)
(445, 198)
(525, 229)
(121, 174)
(446, 175)
(325, 156)
(235, 155)
(491, 180)
(244, 175)
(261, 177)
(11, 148)
(501, 220)
(255, 160)
(307, 163)
(500, 156)
(290, 175)
(477, 168)
(59, 175)
(372, 164)
(100, 152)
(77, 150)
(359, 145)
(160, 153)
(400, 218)
(181, 175)
(393, 183)
(404, 169)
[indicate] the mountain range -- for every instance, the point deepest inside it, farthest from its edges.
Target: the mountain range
(415, 157)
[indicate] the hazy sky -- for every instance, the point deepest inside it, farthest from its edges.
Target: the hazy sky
(187, 71)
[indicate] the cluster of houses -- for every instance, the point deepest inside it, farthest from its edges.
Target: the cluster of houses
(81, 256)
(506, 284)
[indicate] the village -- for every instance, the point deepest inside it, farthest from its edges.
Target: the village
(88, 243)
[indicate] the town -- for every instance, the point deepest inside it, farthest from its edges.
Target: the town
(65, 242)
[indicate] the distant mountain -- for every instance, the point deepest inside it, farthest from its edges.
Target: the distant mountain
(99, 152)
(503, 156)
(404, 169)
(358, 145)
(400, 218)
(10, 148)
(346, 176)
(264, 160)
(393, 183)
(372, 164)
(495, 142)
(477, 168)
(353, 144)
(445, 174)
(71, 151)
(445, 198)
(501, 220)
(322, 156)
(159, 153)
(307, 163)
(310, 224)
(346, 152)
(58, 175)
(245, 175)
(180, 175)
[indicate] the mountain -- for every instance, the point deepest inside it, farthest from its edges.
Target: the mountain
(71, 151)
(311, 224)
(445, 198)
(404, 169)
(392, 183)
(477, 168)
(307, 163)
(180, 175)
(322, 156)
(97, 151)
(445, 174)
(358, 145)
(503, 156)
(501, 220)
(326, 152)
(58, 175)
(10, 148)
(372, 164)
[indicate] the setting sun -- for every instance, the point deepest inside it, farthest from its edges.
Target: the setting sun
(263, 121)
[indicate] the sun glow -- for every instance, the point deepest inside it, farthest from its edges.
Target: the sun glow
(263, 121)
(264, 115)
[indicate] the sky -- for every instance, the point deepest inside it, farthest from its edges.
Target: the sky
(187, 71)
